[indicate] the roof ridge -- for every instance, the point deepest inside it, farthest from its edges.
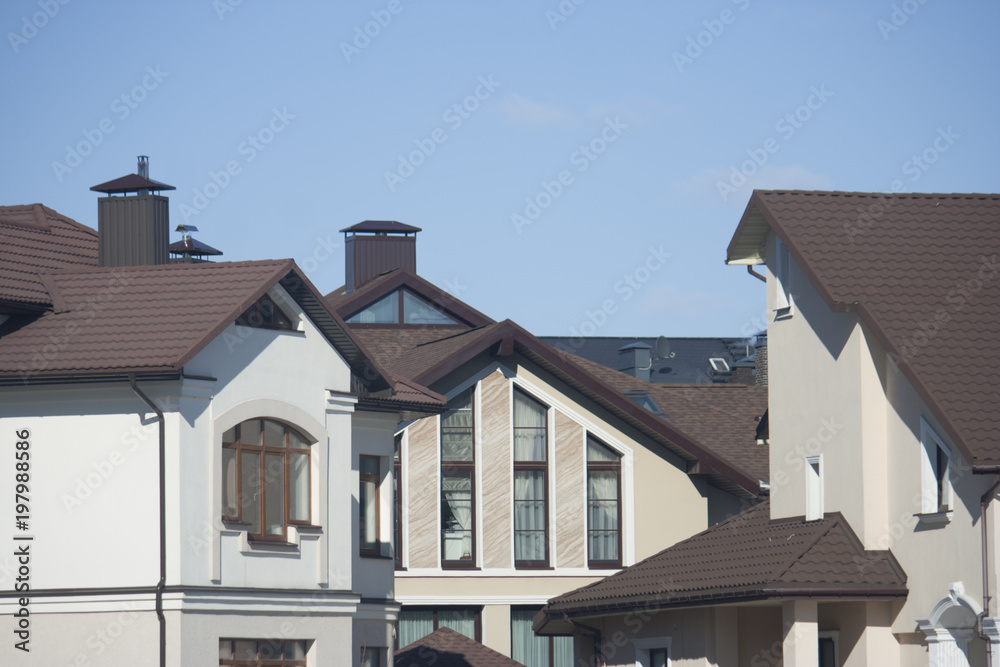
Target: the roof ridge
(455, 335)
(169, 267)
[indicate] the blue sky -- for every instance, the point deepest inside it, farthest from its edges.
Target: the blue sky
(568, 163)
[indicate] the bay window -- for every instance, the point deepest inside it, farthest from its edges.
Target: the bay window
(531, 544)
(458, 474)
(265, 477)
(604, 473)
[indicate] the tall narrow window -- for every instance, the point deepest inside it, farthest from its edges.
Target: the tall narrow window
(935, 472)
(368, 474)
(814, 488)
(531, 544)
(458, 474)
(604, 511)
(265, 477)
(783, 274)
(397, 501)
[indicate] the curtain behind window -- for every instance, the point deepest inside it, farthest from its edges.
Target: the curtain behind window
(533, 651)
(414, 625)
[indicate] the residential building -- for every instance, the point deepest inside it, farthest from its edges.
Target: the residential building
(201, 453)
(878, 545)
(547, 471)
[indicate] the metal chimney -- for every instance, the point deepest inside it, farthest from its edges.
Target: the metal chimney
(376, 246)
(133, 230)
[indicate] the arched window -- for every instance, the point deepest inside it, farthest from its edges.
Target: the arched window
(265, 477)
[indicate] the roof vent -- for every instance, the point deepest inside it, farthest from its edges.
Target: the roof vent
(636, 359)
(190, 250)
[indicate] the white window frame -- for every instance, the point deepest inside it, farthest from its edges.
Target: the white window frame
(784, 304)
(644, 646)
(930, 443)
(814, 487)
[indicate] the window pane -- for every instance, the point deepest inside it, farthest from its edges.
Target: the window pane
(602, 515)
(457, 429)
(383, 311)
(229, 437)
(368, 465)
(368, 507)
(246, 649)
(414, 625)
(598, 451)
(416, 311)
(274, 434)
(371, 657)
(274, 496)
(525, 647)
(295, 650)
(229, 507)
(529, 515)
(225, 648)
(270, 649)
(658, 657)
(459, 620)
(250, 432)
(250, 490)
(296, 440)
(456, 515)
(298, 482)
(529, 428)
(562, 651)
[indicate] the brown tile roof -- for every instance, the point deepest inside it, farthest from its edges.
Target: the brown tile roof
(921, 271)
(35, 239)
(723, 417)
(745, 558)
(447, 648)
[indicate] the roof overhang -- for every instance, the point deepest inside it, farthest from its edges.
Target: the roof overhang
(748, 245)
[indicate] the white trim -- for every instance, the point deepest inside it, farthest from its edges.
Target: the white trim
(576, 572)
(814, 487)
(404, 500)
(645, 645)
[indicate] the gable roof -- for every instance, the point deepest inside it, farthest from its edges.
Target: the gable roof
(34, 239)
(447, 648)
(921, 271)
(746, 558)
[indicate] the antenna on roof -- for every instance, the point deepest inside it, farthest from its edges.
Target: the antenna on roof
(663, 348)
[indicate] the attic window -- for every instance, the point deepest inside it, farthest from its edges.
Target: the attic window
(644, 399)
(265, 314)
(400, 307)
(719, 365)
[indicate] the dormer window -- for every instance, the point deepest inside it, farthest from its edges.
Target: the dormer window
(265, 314)
(644, 399)
(401, 307)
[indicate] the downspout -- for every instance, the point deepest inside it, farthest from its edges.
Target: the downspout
(163, 518)
(586, 629)
(984, 503)
(755, 274)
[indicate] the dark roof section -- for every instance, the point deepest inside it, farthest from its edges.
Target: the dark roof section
(190, 246)
(382, 226)
(921, 272)
(372, 291)
(746, 558)
(685, 363)
(34, 239)
(724, 417)
(447, 648)
(131, 183)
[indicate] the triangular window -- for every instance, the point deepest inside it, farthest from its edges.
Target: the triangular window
(391, 309)
(264, 314)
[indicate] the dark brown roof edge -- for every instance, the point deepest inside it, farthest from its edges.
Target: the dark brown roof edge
(583, 378)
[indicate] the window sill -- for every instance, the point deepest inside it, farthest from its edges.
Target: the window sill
(524, 566)
(458, 566)
(278, 546)
(935, 518)
(377, 556)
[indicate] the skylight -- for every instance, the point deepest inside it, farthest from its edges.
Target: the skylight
(719, 365)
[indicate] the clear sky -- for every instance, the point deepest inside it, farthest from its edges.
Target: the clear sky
(569, 162)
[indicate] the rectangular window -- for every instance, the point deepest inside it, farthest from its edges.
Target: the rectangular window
(458, 474)
(418, 622)
(265, 477)
(604, 509)
(397, 501)
(263, 652)
(372, 656)
(783, 274)
(533, 651)
(936, 492)
(531, 543)
(368, 474)
(814, 488)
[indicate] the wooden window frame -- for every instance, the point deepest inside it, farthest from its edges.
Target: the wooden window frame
(460, 466)
(397, 500)
(368, 477)
(252, 316)
(240, 447)
(616, 467)
(531, 466)
(259, 661)
(478, 618)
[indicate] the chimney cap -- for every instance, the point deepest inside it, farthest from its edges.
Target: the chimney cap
(382, 226)
(190, 246)
(131, 183)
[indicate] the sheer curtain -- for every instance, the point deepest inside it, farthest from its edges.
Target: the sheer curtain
(533, 651)
(603, 476)
(529, 429)
(414, 625)
(529, 515)
(456, 515)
